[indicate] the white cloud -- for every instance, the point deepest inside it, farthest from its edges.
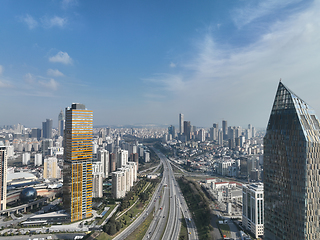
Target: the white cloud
(61, 57)
(1, 69)
(54, 22)
(29, 78)
(5, 84)
(30, 21)
(54, 73)
(173, 65)
(239, 83)
(68, 3)
(258, 9)
(50, 84)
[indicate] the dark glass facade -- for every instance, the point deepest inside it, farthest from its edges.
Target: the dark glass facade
(292, 169)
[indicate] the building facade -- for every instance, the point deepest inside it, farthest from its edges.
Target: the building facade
(47, 129)
(60, 123)
(3, 176)
(181, 120)
(291, 169)
(77, 168)
(252, 208)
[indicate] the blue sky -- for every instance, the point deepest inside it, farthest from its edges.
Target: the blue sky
(146, 61)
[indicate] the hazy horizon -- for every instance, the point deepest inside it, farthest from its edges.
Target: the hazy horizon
(146, 62)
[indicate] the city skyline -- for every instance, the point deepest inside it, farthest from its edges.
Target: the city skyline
(144, 63)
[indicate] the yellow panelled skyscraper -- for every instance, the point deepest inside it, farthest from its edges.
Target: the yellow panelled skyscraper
(77, 168)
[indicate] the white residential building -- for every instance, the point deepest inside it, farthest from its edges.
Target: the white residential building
(25, 158)
(38, 159)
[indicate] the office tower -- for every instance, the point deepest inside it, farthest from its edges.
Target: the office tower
(215, 125)
(181, 122)
(38, 159)
(225, 129)
(187, 130)
(47, 129)
(77, 167)
(60, 123)
(172, 131)
(36, 133)
(291, 169)
(3, 176)
(252, 208)
(50, 168)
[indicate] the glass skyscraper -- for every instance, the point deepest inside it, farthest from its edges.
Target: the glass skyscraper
(292, 169)
(77, 167)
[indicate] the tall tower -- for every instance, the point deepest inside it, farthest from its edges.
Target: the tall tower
(181, 127)
(47, 129)
(60, 123)
(291, 169)
(3, 176)
(77, 168)
(225, 129)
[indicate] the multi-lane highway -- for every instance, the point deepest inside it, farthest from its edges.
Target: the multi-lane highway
(125, 233)
(169, 206)
(167, 219)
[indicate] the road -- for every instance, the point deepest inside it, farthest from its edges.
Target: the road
(135, 224)
(168, 222)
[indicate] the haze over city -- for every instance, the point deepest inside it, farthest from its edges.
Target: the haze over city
(145, 62)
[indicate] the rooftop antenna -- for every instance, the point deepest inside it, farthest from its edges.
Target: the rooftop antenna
(280, 79)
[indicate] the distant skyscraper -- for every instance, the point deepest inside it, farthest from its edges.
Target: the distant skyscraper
(291, 169)
(60, 123)
(47, 129)
(181, 119)
(172, 131)
(3, 176)
(225, 129)
(77, 168)
(36, 133)
(187, 130)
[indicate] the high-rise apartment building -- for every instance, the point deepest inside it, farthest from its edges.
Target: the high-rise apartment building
(61, 123)
(77, 168)
(3, 176)
(38, 159)
(50, 168)
(252, 208)
(47, 129)
(291, 169)
(181, 119)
